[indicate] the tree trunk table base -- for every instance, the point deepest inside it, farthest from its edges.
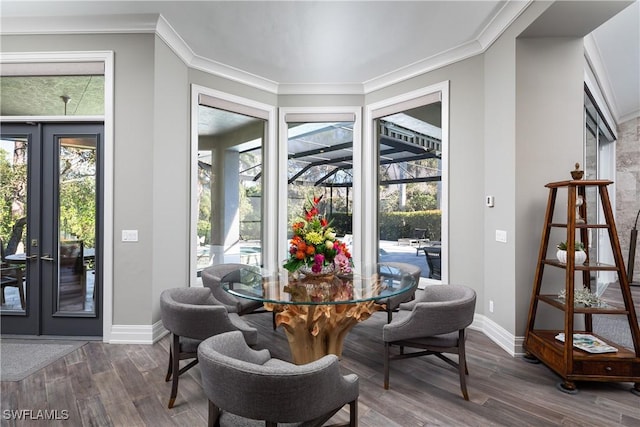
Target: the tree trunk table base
(314, 331)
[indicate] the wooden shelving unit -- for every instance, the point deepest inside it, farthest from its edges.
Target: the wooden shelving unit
(562, 357)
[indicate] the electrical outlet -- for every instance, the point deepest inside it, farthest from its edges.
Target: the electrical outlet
(501, 236)
(490, 306)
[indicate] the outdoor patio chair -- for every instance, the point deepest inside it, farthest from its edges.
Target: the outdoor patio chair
(192, 315)
(433, 261)
(243, 384)
(434, 322)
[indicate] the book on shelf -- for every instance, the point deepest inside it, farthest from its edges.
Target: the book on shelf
(589, 343)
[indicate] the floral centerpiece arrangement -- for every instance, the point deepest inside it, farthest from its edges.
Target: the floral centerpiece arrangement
(314, 245)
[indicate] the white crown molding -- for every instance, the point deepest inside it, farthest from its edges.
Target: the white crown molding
(155, 23)
(106, 24)
(505, 17)
(171, 37)
(320, 89)
(443, 59)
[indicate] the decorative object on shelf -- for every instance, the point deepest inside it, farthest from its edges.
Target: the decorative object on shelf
(580, 254)
(314, 248)
(583, 296)
(577, 173)
(579, 203)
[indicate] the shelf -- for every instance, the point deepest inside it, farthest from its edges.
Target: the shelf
(587, 266)
(569, 362)
(563, 225)
(549, 338)
(604, 308)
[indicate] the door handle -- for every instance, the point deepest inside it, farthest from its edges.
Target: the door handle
(30, 257)
(47, 257)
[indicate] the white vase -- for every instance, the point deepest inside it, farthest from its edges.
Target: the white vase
(580, 256)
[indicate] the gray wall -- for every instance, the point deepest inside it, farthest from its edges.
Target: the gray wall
(171, 181)
(515, 124)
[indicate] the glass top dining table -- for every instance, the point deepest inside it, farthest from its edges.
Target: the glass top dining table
(284, 287)
(317, 312)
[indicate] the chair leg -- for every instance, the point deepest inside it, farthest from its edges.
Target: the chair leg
(21, 293)
(170, 368)
(175, 348)
(273, 320)
(389, 314)
(462, 364)
(386, 365)
(214, 415)
(353, 413)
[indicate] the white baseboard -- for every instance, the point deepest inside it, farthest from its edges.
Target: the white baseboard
(149, 334)
(137, 334)
(496, 333)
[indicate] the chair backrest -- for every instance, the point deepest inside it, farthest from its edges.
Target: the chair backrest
(184, 310)
(420, 233)
(393, 269)
(72, 255)
(244, 382)
(449, 307)
(433, 262)
(212, 277)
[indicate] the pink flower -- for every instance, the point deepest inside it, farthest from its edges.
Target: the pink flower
(318, 260)
(343, 263)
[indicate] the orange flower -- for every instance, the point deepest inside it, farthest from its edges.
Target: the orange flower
(300, 255)
(310, 250)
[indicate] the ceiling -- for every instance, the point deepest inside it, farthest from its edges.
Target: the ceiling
(293, 44)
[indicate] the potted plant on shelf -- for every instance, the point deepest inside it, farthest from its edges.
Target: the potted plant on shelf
(580, 254)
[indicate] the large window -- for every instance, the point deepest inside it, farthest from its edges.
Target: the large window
(598, 164)
(229, 181)
(320, 147)
(410, 196)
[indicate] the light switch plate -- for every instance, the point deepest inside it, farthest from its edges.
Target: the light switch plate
(501, 236)
(129, 235)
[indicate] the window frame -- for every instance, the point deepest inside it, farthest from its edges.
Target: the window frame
(370, 231)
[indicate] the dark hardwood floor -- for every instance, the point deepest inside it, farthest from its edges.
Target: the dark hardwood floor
(123, 385)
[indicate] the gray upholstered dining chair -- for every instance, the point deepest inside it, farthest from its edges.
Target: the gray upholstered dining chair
(434, 322)
(393, 269)
(212, 277)
(192, 315)
(244, 385)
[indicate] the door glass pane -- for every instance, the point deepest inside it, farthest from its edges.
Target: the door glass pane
(77, 224)
(229, 188)
(13, 223)
(409, 192)
(320, 163)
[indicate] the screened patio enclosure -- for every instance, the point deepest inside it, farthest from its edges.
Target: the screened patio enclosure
(320, 159)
